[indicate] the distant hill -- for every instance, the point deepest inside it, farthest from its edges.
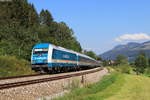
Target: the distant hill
(131, 50)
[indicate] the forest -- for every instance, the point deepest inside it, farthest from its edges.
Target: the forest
(21, 27)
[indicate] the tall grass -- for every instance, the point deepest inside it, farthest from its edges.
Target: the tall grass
(11, 66)
(89, 92)
(74, 84)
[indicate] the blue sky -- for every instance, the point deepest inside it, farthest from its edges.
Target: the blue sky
(99, 25)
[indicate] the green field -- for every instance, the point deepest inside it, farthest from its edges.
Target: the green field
(134, 88)
(114, 87)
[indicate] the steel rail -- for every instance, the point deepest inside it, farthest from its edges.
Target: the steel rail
(21, 76)
(23, 83)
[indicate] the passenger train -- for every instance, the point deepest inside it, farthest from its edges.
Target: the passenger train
(47, 57)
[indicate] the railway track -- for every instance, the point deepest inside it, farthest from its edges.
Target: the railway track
(21, 76)
(23, 83)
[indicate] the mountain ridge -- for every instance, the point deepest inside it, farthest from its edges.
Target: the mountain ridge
(130, 50)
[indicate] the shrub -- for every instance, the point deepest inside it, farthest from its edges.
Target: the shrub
(124, 68)
(141, 63)
(147, 71)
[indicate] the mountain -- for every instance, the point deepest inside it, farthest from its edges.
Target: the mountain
(131, 50)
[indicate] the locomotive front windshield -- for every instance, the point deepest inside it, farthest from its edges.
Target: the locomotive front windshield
(40, 51)
(40, 56)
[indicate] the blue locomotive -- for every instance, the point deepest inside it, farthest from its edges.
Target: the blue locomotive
(48, 57)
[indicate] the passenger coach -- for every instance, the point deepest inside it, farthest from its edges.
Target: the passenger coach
(47, 57)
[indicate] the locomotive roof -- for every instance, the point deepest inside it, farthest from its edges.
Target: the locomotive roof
(42, 45)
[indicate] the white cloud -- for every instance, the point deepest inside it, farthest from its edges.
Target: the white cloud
(131, 37)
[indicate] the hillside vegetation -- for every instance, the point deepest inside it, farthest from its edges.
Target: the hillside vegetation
(12, 66)
(21, 27)
(113, 87)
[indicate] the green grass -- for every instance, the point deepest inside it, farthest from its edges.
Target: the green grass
(114, 87)
(12, 66)
(135, 88)
(92, 92)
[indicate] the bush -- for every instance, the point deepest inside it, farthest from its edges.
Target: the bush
(147, 71)
(141, 63)
(12, 66)
(125, 68)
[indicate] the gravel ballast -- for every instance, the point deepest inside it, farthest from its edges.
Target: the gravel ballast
(49, 89)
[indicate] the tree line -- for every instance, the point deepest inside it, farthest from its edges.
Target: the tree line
(141, 65)
(21, 27)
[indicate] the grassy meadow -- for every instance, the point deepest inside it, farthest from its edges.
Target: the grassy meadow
(116, 86)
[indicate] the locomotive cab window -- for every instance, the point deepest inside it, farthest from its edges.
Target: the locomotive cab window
(41, 50)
